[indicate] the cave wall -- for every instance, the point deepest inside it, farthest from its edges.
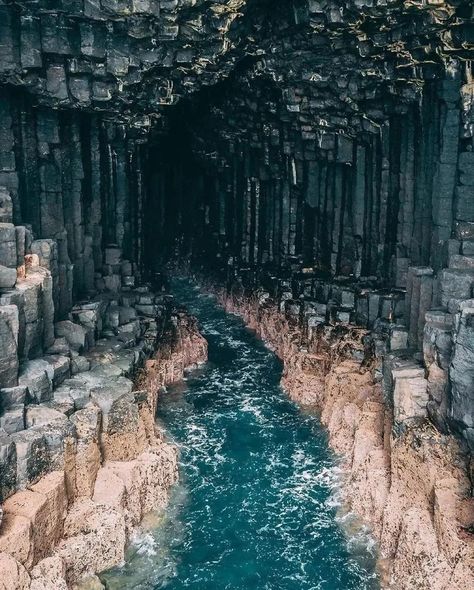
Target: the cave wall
(376, 227)
(73, 181)
(370, 205)
(318, 149)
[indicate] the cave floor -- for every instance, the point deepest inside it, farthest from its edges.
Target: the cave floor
(257, 502)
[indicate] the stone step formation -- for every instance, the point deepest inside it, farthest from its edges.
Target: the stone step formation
(319, 153)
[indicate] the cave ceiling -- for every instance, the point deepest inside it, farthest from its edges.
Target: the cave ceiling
(332, 67)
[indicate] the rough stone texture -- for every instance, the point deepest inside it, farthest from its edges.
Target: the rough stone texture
(49, 574)
(325, 150)
(88, 457)
(45, 507)
(13, 576)
(9, 327)
(95, 539)
(89, 463)
(410, 484)
(461, 372)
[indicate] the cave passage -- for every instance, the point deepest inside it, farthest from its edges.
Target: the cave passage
(256, 503)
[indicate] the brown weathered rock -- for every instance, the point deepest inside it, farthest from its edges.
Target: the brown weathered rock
(13, 576)
(49, 574)
(94, 539)
(87, 424)
(411, 488)
(16, 538)
(45, 507)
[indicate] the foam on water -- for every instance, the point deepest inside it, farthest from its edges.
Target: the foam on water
(258, 505)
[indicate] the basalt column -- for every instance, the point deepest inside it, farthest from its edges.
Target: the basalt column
(386, 212)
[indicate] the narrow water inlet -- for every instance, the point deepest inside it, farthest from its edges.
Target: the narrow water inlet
(256, 504)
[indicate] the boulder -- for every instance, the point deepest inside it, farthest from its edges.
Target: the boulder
(12, 396)
(13, 419)
(79, 364)
(87, 424)
(16, 538)
(44, 505)
(113, 255)
(8, 255)
(8, 467)
(8, 277)
(59, 347)
(461, 371)
(61, 367)
(410, 393)
(6, 205)
(40, 415)
(49, 574)
(94, 539)
(43, 449)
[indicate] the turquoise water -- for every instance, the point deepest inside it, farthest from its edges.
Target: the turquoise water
(256, 504)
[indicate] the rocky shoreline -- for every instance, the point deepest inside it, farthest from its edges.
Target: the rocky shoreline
(409, 482)
(83, 461)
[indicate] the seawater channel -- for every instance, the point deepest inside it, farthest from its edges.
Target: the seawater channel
(256, 506)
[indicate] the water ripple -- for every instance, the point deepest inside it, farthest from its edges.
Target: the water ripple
(257, 503)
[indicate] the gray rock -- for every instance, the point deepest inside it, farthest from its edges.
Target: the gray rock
(8, 463)
(41, 449)
(47, 252)
(113, 255)
(112, 317)
(455, 285)
(398, 337)
(129, 332)
(127, 315)
(13, 420)
(20, 232)
(115, 398)
(8, 255)
(461, 371)
(108, 371)
(8, 277)
(33, 298)
(9, 331)
(62, 401)
(89, 315)
(112, 283)
(74, 334)
(37, 375)
(73, 391)
(41, 415)
(32, 456)
(61, 366)
(79, 364)
(6, 205)
(87, 424)
(12, 396)
(60, 346)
